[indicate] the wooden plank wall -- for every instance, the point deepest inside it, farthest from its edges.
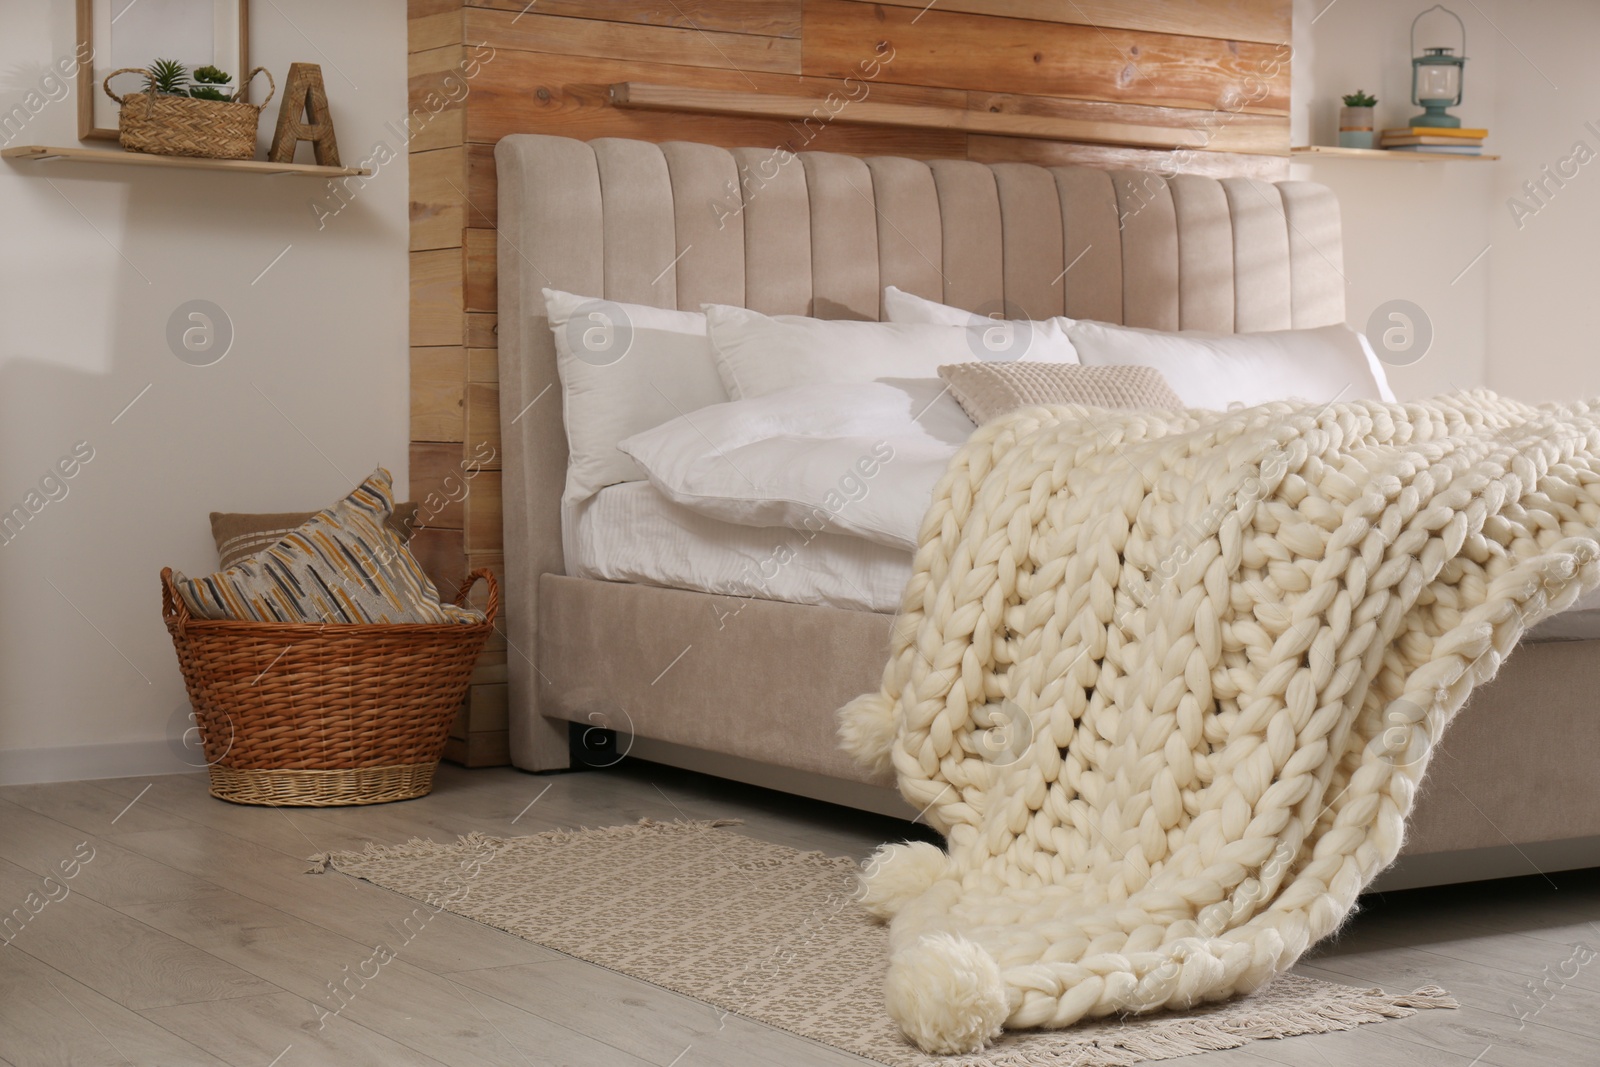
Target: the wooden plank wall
(482, 69)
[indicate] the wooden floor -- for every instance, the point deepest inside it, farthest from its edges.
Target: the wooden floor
(194, 936)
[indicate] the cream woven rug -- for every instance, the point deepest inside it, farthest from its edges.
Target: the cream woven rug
(774, 935)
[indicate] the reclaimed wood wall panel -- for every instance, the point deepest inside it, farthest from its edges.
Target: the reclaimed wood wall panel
(1199, 87)
(632, 42)
(478, 261)
(438, 395)
(762, 18)
(482, 331)
(979, 52)
(436, 111)
(441, 554)
(1265, 21)
(438, 297)
(1109, 157)
(439, 487)
(570, 96)
(1223, 130)
(438, 30)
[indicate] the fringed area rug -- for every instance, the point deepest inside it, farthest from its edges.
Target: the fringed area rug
(776, 936)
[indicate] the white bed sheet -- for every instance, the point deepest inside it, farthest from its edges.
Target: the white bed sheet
(633, 533)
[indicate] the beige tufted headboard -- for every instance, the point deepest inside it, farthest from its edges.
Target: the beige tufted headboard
(678, 225)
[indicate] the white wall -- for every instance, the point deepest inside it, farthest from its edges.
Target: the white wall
(1519, 319)
(1411, 229)
(311, 397)
(1543, 299)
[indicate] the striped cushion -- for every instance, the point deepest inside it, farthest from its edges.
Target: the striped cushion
(344, 565)
(240, 536)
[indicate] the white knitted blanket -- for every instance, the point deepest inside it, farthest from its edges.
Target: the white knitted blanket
(1168, 684)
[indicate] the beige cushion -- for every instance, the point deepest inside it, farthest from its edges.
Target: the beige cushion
(240, 535)
(986, 391)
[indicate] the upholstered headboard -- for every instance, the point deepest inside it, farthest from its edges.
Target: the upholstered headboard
(678, 225)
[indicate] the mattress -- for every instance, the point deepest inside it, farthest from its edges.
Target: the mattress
(632, 533)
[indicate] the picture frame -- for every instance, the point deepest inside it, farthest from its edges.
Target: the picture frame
(135, 33)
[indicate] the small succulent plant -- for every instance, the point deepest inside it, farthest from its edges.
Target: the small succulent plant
(168, 77)
(1360, 98)
(213, 84)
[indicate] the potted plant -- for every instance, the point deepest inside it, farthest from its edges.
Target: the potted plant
(167, 77)
(174, 117)
(1356, 126)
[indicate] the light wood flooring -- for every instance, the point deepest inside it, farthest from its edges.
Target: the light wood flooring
(194, 936)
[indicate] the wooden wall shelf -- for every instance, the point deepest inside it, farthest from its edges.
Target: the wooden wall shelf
(1388, 154)
(141, 159)
(1106, 130)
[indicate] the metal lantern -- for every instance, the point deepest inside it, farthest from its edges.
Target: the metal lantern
(1436, 76)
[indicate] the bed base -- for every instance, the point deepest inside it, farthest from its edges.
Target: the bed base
(696, 681)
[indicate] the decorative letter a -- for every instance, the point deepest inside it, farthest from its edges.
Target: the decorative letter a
(303, 116)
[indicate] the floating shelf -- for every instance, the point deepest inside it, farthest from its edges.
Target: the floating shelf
(1390, 154)
(142, 159)
(646, 96)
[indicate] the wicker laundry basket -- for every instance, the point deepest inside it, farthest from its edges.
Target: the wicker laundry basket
(318, 715)
(169, 125)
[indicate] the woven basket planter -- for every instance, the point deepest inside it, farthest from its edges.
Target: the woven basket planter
(183, 126)
(316, 715)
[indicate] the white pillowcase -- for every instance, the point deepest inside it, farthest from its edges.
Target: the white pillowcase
(624, 368)
(1000, 340)
(762, 354)
(1214, 370)
(1206, 370)
(901, 306)
(859, 458)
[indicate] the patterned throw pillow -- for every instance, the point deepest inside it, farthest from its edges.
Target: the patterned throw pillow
(986, 391)
(240, 535)
(345, 565)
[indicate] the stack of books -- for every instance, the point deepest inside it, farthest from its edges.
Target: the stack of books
(1438, 140)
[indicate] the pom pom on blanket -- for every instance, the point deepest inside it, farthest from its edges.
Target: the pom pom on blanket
(866, 731)
(946, 994)
(895, 875)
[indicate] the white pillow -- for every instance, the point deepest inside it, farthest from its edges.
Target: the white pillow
(1214, 370)
(624, 368)
(857, 457)
(1007, 340)
(761, 354)
(1207, 370)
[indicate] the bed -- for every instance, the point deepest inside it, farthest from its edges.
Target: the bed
(622, 615)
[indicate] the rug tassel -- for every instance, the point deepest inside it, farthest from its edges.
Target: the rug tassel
(1194, 1036)
(1428, 996)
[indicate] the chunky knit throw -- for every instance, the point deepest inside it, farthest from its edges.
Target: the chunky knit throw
(1168, 684)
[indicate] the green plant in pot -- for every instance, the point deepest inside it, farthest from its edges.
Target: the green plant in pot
(1357, 128)
(167, 77)
(213, 84)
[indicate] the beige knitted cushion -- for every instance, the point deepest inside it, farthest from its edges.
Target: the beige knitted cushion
(986, 391)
